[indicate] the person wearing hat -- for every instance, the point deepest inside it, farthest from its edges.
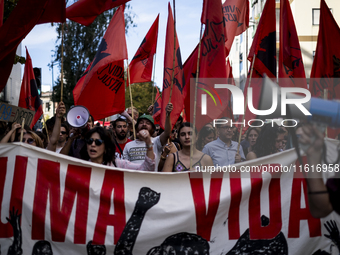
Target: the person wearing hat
(135, 151)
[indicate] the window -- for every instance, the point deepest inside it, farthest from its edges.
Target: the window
(316, 16)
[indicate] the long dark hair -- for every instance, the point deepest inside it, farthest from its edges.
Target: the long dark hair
(204, 132)
(110, 147)
(185, 124)
(265, 143)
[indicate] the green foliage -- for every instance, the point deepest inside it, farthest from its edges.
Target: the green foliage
(80, 47)
(141, 96)
(9, 6)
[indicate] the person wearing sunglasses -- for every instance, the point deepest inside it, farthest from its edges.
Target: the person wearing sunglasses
(100, 148)
(33, 139)
(64, 130)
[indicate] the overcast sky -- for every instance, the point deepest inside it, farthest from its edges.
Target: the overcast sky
(41, 40)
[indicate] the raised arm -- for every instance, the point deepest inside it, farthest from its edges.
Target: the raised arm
(167, 129)
(318, 197)
(6, 138)
(60, 112)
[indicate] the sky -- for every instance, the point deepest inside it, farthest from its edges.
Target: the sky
(41, 40)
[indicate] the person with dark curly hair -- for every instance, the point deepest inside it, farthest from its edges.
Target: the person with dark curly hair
(268, 142)
(100, 148)
(251, 136)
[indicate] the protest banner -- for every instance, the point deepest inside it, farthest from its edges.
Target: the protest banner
(11, 113)
(70, 206)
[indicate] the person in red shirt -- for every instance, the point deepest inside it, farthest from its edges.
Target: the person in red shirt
(120, 127)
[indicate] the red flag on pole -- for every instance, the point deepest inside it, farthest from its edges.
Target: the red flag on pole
(141, 64)
(212, 65)
(103, 91)
(236, 19)
(29, 96)
(327, 57)
(290, 64)
(157, 108)
(264, 47)
(55, 11)
(79, 86)
(325, 72)
(179, 89)
(86, 11)
(21, 21)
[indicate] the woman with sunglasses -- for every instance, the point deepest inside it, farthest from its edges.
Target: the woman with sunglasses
(100, 148)
(28, 137)
(180, 161)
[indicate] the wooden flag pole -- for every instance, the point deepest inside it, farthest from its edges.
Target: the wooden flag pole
(174, 57)
(195, 99)
(22, 129)
(245, 105)
(62, 64)
(153, 78)
(128, 78)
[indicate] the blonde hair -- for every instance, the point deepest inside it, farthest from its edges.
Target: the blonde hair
(36, 138)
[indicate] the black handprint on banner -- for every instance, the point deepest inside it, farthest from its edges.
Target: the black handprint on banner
(334, 234)
(14, 220)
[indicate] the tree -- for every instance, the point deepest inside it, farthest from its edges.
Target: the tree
(141, 96)
(80, 47)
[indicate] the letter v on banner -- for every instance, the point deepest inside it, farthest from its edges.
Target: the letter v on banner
(205, 215)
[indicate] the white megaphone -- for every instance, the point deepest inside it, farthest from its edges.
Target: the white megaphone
(320, 110)
(78, 116)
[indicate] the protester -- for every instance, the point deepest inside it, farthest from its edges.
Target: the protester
(60, 112)
(120, 127)
(63, 136)
(268, 142)
(29, 136)
(236, 134)
(250, 140)
(167, 149)
(90, 122)
(181, 160)
(323, 199)
(206, 135)
(100, 148)
(135, 150)
(223, 150)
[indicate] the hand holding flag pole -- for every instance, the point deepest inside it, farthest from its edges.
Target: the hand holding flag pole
(22, 129)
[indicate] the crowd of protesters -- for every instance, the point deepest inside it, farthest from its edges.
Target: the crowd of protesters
(175, 149)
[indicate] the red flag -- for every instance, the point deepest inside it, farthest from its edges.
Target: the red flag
(79, 86)
(236, 18)
(325, 72)
(141, 64)
(212, 65)
(290, 65)
(103, 91)
(327, 57)
(157, 108)
(21, 21)
(179, 89)
(2, 3)
(55, 11)
(86, 11)
(29, 96)
(264, 47)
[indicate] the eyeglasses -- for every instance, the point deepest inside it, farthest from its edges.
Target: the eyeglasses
(29, 140)
(63, 132)
(97, 142)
